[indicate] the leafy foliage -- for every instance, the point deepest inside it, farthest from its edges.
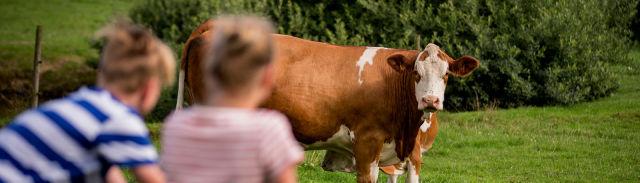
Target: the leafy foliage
(543, 52)
(635, 24)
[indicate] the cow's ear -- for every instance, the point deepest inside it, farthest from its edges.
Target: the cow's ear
(401, 62)
(463, 66)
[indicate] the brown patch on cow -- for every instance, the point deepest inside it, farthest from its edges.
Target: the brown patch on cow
(193, 53)
(194, 82)
(423, 56)
(446, 78)
(416, 76)
(390, 170)
(416, 157)
(463, 66)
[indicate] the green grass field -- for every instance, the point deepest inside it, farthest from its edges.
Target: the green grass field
(68, 28)
(598, 141)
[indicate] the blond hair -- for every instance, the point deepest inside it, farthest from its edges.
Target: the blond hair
(132, 55)
(241, 46)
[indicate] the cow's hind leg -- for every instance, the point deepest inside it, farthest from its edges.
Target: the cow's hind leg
(366, 150)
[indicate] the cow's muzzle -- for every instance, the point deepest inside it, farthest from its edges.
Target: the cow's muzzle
(430, 103)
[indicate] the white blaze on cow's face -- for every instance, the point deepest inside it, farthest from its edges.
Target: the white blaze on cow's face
(430, 83)
(431, 70)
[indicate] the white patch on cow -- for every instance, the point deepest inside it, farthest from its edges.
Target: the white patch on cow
(413, 176)
(366, 58)
(352, 135)
(432, 71)
(425, 126)
(426, 122)
(388, 155)
(373, 171)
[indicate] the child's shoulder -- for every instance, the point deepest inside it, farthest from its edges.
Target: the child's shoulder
(271, 119)
(270, 114)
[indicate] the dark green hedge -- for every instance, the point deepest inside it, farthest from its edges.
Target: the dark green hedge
(533, 52)
(635, 25)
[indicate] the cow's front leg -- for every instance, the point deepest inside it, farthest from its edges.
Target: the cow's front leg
(413, 175)
(392, 172)
(367, 150)
(393, 178)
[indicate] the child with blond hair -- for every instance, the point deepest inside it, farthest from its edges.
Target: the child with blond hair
(87, 135)
(228, 139)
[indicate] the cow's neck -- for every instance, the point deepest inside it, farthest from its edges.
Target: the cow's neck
(406, 116)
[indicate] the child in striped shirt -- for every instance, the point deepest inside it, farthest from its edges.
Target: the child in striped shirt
(228, 139)
(85, 136)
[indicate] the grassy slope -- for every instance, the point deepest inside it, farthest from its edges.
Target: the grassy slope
(67, 26)
(595, 141)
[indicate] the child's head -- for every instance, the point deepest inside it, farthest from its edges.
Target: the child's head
(239, 62)
(135, 64)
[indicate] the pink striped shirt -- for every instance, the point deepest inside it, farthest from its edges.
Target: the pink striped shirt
(212, 144)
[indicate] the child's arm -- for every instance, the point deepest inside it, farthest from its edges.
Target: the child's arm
(125, 143)
(149, 174)
(114, 175)
(288, 175)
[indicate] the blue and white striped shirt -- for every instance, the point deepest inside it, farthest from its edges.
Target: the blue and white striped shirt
(74, 139)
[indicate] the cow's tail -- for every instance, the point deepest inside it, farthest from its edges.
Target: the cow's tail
(184, 66)
(183, 81)
(184, 63)
(180, 98)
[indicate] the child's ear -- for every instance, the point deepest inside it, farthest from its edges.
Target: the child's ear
(268, 76)
(148, 94)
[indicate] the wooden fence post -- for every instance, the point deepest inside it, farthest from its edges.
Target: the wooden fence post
(37, 60)
(418, 40)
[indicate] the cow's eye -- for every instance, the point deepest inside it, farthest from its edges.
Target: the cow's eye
(416, 76)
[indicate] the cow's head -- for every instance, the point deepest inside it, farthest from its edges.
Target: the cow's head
(338, 162)
(431, 70)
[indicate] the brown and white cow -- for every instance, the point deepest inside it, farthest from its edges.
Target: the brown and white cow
(360, 102)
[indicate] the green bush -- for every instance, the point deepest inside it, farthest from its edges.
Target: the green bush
(635, 25)
(533, 52)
